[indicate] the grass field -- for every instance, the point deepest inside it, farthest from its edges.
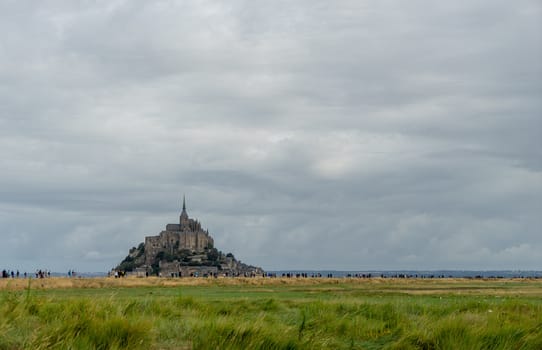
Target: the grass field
(153, 313)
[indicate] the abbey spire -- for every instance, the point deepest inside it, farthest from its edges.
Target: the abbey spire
(184, 215)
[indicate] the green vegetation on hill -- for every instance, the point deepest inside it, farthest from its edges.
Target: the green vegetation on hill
(135, 258)
(327, 315)
(209, 257)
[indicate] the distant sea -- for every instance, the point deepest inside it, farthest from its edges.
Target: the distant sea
(416, 273)
(381, 273)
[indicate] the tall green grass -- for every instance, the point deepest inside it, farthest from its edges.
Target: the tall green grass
(255, 317)
(29, 322)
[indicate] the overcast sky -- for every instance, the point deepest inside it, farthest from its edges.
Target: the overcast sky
(309, 134)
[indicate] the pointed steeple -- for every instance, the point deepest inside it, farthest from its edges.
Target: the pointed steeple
(184, 215)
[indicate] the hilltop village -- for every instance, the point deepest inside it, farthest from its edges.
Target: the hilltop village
(181, 250)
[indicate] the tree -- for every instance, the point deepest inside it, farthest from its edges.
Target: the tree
(213, 254)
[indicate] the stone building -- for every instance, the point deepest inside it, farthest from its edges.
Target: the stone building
(186, 235)
(183, 249)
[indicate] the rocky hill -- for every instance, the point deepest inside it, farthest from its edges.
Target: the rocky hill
(183, 249)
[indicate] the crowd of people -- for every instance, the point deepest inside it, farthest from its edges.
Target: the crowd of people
(43, 273)
(40, 273)
(17, 274)
(12, 274)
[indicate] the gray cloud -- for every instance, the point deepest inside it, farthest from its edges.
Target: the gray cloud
(310, 135)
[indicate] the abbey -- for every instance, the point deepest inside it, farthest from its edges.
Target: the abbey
(183, 249)
(186, 235)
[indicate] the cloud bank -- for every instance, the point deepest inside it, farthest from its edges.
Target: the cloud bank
(308, 135)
